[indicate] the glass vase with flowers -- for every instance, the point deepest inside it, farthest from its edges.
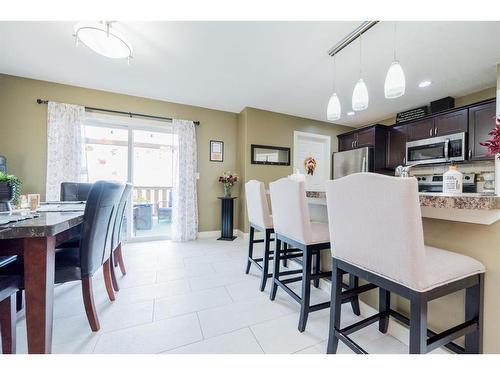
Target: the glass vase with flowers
(228, 180)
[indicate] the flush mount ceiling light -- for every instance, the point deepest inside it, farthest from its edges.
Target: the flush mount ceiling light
(103, 39)
(395, 82)
(333, 111)
(425, 83)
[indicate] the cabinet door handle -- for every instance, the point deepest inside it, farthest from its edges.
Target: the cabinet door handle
(404, 160)
(436, 131)
(430, 132)
(352, 144)
(470, 153)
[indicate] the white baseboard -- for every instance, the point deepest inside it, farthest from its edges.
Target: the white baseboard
(396, 329)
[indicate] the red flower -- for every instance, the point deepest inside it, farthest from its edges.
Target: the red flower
(493, 144)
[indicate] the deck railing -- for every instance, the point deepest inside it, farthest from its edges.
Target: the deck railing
(153, 195)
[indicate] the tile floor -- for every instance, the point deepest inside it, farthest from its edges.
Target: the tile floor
(193, 298)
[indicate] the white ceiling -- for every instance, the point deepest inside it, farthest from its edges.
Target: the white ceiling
(278, 66)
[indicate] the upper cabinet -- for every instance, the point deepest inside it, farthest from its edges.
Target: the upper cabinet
(447, 123)
(481, 121)
(397, 137)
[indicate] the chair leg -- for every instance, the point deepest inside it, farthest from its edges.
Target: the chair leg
(88, 301)
(285, 261)
(306, 289)
(265, 262)
(8, 324)
(250, 248)
(114, 280)
(474, 311)
(106, 267)
(418, 324)
(316, 267)
(19, 300)
(119, 256)
(384, 305)
(276, 269)
(335, 309)
(354, 283)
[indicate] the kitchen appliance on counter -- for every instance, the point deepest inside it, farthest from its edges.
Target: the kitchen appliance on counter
(433, 183)
(436, 150)
(352, 161)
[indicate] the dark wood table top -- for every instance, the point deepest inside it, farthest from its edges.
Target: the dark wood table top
(45, 225)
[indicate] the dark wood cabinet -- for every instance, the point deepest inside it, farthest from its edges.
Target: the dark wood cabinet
(396, 146)
(420, 129)
(451, 123)
(365, 138)
(481, 121)
(346, 142)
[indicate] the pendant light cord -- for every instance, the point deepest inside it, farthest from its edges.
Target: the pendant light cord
(360, 57)
(334, 75)
(394, 44)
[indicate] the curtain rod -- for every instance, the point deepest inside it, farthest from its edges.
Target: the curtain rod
(130, 114)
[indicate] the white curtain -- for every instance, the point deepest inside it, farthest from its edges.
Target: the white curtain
(64, 146)
(185, 200)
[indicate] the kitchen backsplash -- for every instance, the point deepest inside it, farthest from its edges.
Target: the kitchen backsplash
(478, 167)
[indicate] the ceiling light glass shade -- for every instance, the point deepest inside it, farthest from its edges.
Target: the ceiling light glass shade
(103, 39)
(395, 82)
(333, 111)
(360, 96)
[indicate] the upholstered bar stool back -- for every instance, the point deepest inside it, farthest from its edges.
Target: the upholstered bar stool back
(377, 225)
(257, 207)
(290, 211)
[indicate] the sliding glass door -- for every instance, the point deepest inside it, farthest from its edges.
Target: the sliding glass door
(141, 155)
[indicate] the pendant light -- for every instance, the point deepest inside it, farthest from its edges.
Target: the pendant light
(360, 93)
(395, 82)
(333, 111)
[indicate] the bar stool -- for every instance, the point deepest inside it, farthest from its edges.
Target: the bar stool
(292, 226)
(377, 226)
(260, 220)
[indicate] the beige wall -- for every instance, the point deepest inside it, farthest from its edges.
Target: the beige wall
(261, 127)
(23, 129)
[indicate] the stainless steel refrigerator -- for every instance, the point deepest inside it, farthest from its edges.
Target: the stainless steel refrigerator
(352, 161)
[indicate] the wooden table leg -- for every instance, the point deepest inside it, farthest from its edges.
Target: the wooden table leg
(39, 263)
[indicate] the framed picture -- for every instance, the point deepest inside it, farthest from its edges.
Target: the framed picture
(217, 151)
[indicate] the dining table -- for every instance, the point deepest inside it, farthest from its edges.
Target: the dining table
(34, 240)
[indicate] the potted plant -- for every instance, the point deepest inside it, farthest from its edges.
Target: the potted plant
(10, 188)
(493, 145)
(228, 180)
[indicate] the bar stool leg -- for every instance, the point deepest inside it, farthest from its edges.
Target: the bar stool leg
(354, 283)
(306, 289)
(418, 324)
(8, 325)
(276, 269)
(384, 305)
(335, 309)
(285, 248)
(474, 310)
(316, 268)
(250, 248)
(265, 262)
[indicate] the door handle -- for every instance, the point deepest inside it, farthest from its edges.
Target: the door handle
(430, 132)
(446, 146)
(470, 153)
(404, 160)
(436, 131)
(352, 144)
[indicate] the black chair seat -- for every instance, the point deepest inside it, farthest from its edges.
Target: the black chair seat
(68, 265)
(8, 286)
(5, 260)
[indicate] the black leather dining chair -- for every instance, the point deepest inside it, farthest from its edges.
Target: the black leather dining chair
(94, 248)
(116, 239)
(75, 191)
(9, 286)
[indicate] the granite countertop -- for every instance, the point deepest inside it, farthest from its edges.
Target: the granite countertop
(469, 201)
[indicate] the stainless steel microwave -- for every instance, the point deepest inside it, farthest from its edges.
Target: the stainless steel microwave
(436, 150)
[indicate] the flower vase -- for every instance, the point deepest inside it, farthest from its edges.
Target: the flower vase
(497, 174)
(227, 190)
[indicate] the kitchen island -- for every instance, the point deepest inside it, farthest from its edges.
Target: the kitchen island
(468, 224)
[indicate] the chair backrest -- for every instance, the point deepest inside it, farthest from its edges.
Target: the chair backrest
(117, 227)
(375, 223)
(257, 207)
(98, 221)
(290, 211)
(75, 191)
